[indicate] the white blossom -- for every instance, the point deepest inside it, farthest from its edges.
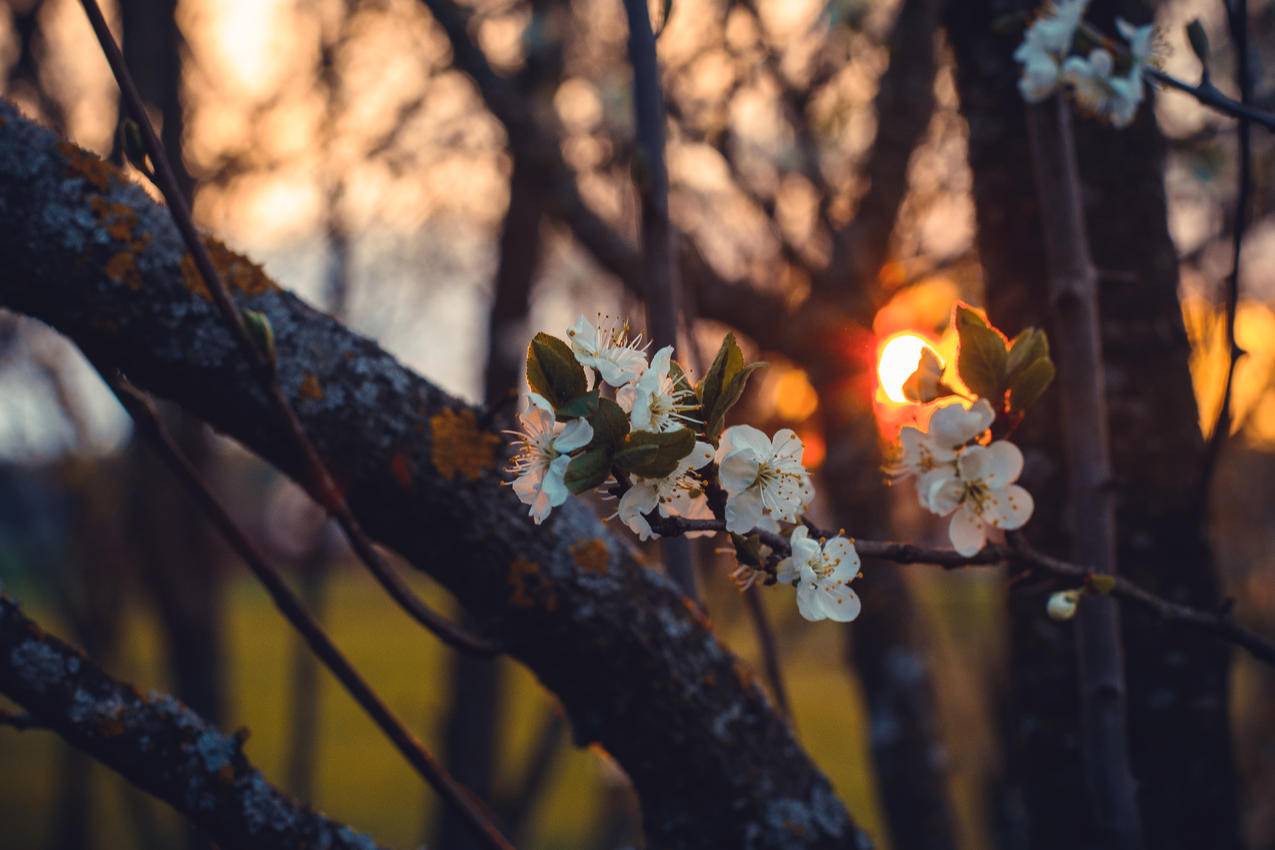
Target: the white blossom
(1111, 98)
(1045, 44)
(677, 494)
(608, 349)
(822, 574)
(762, 476)
(655, 402)
(981, 491)
(931, 456)
(543, 447)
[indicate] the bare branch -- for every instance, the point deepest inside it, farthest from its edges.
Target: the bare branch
(90, 254)
(453, 793)
(157, 744)
(323, 487)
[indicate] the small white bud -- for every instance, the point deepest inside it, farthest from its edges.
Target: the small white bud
(1062, 605)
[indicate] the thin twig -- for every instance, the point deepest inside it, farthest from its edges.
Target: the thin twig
(1237, 20)
(21, 722)
(323, 487)
(1016, 550)
(1208, 95)
(769, 651)
(455, 794)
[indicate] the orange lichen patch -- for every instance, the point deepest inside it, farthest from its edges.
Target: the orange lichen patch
(122, 268)
(311, 388)
(530, 586)
(236, 271)
(745, 673)
(591, 556)
(109, 727)
(459, 447)
(401, 469)
(80, 163)
(120, 222)
(226, 775)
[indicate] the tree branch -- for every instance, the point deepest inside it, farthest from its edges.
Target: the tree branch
(157, 744)
(322, 486)
(468, 806)
(1017, 550)
(637, 671)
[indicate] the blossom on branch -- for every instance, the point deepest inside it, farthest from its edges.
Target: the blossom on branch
(982, 493)
(609, 350)
(542, 454)
(822, 572)
(762, 476)
(676, 494)
(1045, 44)
(657, 402)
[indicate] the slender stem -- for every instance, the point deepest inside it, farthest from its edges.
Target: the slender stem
(1018, 551)
(1208, 95)
(1237, 20)
(769, 651)
(322, 486)
(456, 795)
(650, 172)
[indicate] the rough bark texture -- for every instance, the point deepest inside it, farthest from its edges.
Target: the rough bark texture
(158, 744)
(638, 671)
(1176, 683)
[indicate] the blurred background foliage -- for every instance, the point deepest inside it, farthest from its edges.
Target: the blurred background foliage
(336, 143)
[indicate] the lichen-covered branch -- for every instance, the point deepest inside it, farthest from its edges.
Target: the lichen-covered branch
(157, 744)
(637, 669)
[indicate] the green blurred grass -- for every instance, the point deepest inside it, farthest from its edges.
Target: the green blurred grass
(361, 780)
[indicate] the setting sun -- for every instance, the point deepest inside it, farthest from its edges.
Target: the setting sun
(898, 359)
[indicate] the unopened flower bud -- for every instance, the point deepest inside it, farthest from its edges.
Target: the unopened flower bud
(1062, 605)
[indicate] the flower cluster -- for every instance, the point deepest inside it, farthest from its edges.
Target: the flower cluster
(959, 471)
(601, 415)
(1106, 81)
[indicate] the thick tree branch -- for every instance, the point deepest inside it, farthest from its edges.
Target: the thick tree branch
(636, 669)
(157, 744)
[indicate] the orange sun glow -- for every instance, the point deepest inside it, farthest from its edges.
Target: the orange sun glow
(897, 360)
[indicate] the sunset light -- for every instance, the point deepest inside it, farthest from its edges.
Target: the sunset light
(898, 359)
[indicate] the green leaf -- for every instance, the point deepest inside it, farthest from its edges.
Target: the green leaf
(580, 406)
(587, 470)
(729, 360)
(635, 456)
(1030, 384)
(1024, 350)
(261, 332)
(552, 370)
(730, 395)
(610, 425)
(981, 357)
(671, 447)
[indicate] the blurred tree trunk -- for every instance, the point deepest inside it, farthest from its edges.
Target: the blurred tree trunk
(1177, 683)
(179, 564)
(472, 735)
(886, 646)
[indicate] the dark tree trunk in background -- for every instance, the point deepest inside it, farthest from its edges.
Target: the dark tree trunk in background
(1177, 683)
(471, 732)
(24, 73)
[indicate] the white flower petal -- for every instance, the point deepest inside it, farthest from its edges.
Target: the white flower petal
(944, 495)
(527, 485)
(967, 532)
(637, 501)
(1009, 508)
(787, 448)
(554, 485)
(577, 433)
(743, 511)
(786, 572)
(745, 437)
(540, 508)
(839, 602)
(954, 424)
(1004, 463)
(738, 471)
(841, 555)
(808, 603)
